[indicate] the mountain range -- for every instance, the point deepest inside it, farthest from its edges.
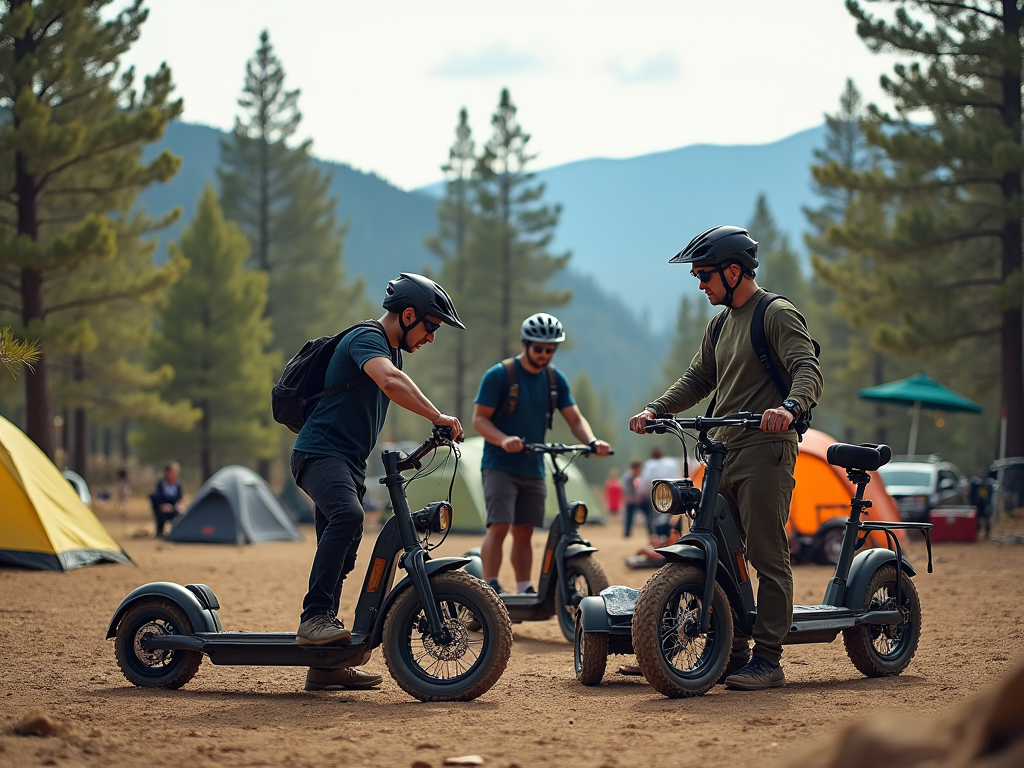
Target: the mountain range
(621, 219)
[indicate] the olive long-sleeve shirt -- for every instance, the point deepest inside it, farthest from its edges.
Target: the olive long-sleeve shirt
(742, 383)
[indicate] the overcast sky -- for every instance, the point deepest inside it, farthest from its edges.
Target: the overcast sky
(382, 82)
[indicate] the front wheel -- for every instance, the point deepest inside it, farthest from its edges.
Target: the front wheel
(590, 653)
(675, 657)
(470, 662)
(584, 577)
(158, 668)
(880, 650)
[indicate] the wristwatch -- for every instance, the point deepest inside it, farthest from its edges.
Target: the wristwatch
(793, 407)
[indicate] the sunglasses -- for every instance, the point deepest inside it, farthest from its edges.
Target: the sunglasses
(539, 350)
(430, 327)
(704, 275)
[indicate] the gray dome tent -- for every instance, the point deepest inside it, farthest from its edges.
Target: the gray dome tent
(235, 506)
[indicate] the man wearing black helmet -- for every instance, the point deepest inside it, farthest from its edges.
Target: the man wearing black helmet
(329, 458)
(758, 475)
(507, 414)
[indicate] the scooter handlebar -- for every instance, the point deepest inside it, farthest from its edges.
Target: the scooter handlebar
(559, 448)
(704, 423)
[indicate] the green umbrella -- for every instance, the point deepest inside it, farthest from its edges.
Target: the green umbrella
(919, 390)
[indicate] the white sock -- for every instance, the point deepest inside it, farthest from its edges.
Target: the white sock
(522, 585)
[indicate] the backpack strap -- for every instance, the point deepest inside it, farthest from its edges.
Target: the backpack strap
(359, 378)
(759, 340)
(552, 393)
(508, 405)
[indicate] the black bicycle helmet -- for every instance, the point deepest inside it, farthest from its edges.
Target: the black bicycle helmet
(542, 328)
(422, 294)
(720, 246)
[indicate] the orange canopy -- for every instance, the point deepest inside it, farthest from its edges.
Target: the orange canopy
(823, 491)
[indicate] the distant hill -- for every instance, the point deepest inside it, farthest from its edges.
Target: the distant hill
(622, 220)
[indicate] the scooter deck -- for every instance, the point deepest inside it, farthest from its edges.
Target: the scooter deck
(271, 649)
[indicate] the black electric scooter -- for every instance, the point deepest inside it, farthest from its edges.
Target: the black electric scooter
(444, 633)
(568, 570)
(681, 626)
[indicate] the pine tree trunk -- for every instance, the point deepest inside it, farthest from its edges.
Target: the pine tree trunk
(38, 409)
(506, 262)
(205, 454)
(1012, 335)
(460, 284)
(79, 459)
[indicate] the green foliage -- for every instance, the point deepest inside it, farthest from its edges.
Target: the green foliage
(280, 199)
(212, 332)
(930, 235)
(14, 353)
(70, 153)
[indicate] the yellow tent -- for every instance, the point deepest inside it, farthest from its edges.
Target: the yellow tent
(43, 523)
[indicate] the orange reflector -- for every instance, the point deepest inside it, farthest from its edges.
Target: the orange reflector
(376, 574)
(741, 565)
(547, 559)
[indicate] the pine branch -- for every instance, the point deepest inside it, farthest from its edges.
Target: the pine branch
(11, 308)
(961, 7)
(13, 286)
(90, 301)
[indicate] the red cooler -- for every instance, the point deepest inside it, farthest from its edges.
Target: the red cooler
(954, 524)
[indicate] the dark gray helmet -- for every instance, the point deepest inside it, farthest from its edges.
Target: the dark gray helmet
(719, 246)
(422, 294)
(542, 328)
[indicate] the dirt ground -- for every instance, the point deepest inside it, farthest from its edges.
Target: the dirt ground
(53, 655)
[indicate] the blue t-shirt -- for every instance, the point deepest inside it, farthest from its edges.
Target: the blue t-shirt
(346, 425)
(528, 421)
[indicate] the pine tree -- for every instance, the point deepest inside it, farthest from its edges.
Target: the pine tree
(213, 334)
(509, 243)
(455, 215)
(934, 233)
(778, 265)
(691, 321)
(280, 199)
(71, 151)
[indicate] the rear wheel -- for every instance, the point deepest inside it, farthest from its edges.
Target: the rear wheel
(156, 668)
(474, 657)
(675, 657)
(590, 654)
(880, 650)
(584, 577)
(829, 546)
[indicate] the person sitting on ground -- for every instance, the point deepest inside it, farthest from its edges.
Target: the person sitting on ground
(166, 499)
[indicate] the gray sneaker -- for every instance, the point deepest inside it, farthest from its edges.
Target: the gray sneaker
(757, 676)
(320, 679)
(321, 629)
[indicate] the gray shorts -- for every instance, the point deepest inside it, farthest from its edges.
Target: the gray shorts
(514, 499)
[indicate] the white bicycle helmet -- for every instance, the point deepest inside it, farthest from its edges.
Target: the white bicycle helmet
(542, 328)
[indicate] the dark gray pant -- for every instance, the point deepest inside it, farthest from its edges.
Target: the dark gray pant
(337, 490)
(758, 483)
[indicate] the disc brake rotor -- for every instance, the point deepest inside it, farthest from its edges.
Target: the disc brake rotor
(158, 656)
(453, 650)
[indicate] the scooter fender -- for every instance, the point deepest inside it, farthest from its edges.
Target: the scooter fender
(475, 566)
(432, 567)
(201, 618)
(579, 548)
(593, 614)
(863, 568)
(683, 553)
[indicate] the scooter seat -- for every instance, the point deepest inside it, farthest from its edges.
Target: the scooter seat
(619, 600)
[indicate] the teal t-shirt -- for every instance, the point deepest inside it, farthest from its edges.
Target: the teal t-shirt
(528, 421)
(346, 425)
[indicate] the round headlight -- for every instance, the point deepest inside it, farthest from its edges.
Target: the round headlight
(661, 496)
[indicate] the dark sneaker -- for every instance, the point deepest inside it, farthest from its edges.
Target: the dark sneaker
(757, 676)
(529, 591)
(630, 670)
(321, 629)
(320, 679)
(737, 661)
(493, 584)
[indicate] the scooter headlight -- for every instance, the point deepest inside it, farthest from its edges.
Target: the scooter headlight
(433, 518)
(578, 512)
(661, 496)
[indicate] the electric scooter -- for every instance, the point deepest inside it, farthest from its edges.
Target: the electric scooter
(444, 633)
(568, 571)
(681, 624)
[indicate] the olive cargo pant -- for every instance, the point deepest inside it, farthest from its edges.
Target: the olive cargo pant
(758, 483)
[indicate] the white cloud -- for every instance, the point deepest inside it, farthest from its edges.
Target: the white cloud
(663, 66)
(498, 60)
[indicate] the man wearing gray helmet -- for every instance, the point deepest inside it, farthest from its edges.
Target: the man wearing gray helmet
(329, 457)
(757, 480)
(515, 405)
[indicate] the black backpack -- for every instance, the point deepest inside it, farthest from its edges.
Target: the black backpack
(301, 385)
(762, 348)
(508, 405)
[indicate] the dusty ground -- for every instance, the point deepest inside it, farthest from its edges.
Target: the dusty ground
(53, 655)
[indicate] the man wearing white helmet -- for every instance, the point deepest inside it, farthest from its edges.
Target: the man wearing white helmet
(515, 405)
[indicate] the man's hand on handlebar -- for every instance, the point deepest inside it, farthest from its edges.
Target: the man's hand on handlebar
(512, 444)
(600, 447)
(776, 420)
(637, 423)
(452, 423)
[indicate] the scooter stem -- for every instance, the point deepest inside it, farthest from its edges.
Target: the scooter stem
(413, 562)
